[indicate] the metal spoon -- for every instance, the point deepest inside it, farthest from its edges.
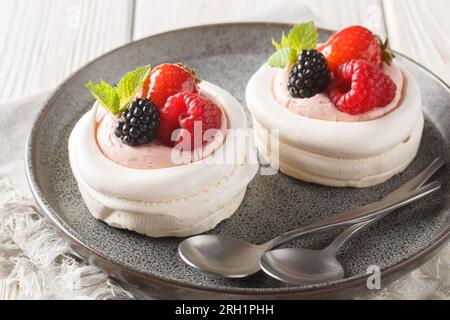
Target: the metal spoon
(299, 266)
(233, 258)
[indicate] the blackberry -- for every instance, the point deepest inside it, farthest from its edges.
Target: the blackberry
(138, 124)
(309, 76)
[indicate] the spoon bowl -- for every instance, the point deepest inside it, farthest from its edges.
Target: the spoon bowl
(302, 266)
(222, 255)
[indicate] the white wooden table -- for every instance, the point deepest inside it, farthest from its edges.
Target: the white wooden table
(44, 41)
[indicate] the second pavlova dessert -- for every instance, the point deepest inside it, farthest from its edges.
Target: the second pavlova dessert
(341, 113)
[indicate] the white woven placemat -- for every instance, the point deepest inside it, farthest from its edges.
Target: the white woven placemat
(37, 264)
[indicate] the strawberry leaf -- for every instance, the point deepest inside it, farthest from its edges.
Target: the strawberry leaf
(386, 53)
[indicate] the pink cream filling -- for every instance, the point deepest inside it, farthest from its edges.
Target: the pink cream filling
(154, 155)
(320, 106)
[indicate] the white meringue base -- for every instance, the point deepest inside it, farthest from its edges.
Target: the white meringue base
(177, 201)
(339, 172)
(153, 220)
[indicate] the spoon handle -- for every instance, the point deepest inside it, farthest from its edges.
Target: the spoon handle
(415, 183)
(359, 214)
(350, 232)
(419, 180)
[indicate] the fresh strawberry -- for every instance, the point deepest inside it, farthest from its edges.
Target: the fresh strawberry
(183, 111)
(359, 87)
(143, 91)
(353, 43)
(166, 80)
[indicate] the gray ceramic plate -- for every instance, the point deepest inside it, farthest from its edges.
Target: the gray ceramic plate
(228, 55)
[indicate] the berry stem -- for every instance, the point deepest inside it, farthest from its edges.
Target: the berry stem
(386, 53)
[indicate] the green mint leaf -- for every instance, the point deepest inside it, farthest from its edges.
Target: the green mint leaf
(129, 85)
(280, 58)
(276, 44)
(105, 94)
(284, 41)
(303, 36)
(117, 99)
(293, 56)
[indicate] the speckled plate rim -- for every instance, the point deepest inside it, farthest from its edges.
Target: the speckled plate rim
(321, 290)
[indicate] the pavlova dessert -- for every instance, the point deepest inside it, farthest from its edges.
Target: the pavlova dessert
(149, 155)
(338, 114)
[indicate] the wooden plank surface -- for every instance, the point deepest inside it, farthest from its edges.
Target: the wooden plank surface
(421, 30)
(43, 41)
(157, 16)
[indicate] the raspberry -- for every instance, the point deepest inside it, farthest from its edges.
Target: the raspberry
(182, 111)
(359, 86)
